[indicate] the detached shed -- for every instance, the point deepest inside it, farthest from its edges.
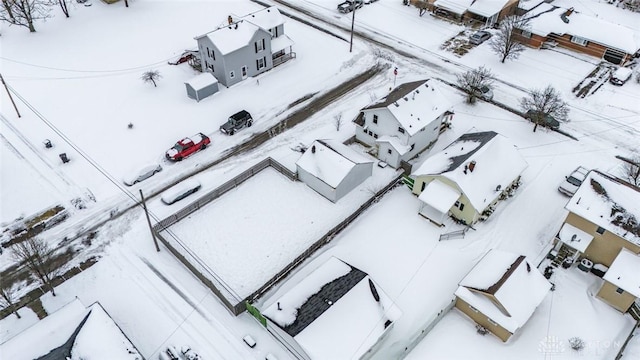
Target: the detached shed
(202, 86)
(333, 169)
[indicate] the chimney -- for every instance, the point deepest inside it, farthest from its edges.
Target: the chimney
(472, 165)
(568, 12)
(230, 20)
(313, 149)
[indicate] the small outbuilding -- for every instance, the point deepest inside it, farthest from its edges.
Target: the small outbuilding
(621, 287)
(333, 169)
(202, 86)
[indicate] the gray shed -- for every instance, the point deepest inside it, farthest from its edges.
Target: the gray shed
(202, 86)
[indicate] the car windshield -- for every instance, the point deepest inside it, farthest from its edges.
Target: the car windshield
(178, 147)
(573, 181)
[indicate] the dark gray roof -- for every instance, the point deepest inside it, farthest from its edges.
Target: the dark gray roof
(64, 351)
(318, 303)
(359, 120)
(396, 94)
(482, 137)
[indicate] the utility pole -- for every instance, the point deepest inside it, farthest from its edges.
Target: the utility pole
(10, 97)
(353, 21)
(146, 212)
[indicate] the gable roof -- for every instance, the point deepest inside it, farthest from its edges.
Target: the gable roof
(546, 19)
(72, 329)
(230, 38)
(414, 104)
(201, 81)
(486, 8)
(515, 283)
(624, 272)
(331, 161)
(609, 203)
(335, 304)
(266, 19)
(497, 163)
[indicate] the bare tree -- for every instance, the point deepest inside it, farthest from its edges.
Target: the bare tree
(63, 6)
(545, 102)
(338, 121)
(473, 81)
(504, 43)
(633, 5)
(8, 294)
(37, 257)
(151, 76)
(631, 170)
(24, 12)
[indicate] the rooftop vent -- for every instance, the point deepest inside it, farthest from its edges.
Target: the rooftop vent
(313, 149)
(472, 165)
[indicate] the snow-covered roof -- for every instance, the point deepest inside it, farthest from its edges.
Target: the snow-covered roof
(439, 195)
(266, 18)
(497, 164)
(201, 81)
(330, 161)
(575, 237)
(232, 37)
(456, 6)
(515, 283)
(624, 272)
(334, 305)
(609, 203)
(546, 19)
(56, 329)
(414, 104)
(281, 42)
(395, 142)
(487, 8)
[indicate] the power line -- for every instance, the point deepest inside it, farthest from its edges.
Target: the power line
(85, 71)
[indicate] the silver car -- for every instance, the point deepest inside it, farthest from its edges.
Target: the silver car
(142, 173)
(572, 182)
(479, 37)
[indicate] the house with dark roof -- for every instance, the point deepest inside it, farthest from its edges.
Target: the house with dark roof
(487, 12)
(404, 123)
(245, 46)
(467, 178)
(335, 312)
(603, 219)
(501, 292)
(550, 25)
(74, 331)
(332, 168)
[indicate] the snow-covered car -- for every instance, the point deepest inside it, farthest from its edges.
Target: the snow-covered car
(349, 5)
(479, 37)
(171, 353)
(188, 146)
(189, 354)
(180, 191)
(485, 93)
(142, 173)
(572, 182)
(547, 120)
(620, 76)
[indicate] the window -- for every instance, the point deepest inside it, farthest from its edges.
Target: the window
(389, 151)
(244, 72)
(370, 133)
(232, 74)
(424, 185)
(526, 33)
(210, 67)
(375, 119)
(600, 230)
(619, 291)
(459, 205)
(400, 130)
(261, 63)
(259, 45)
(473, 309)
(492, 322)
(211, 54)
(412, 147)
(578, 40)
(375, 136)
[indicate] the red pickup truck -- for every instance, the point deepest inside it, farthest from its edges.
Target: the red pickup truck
(187, 146)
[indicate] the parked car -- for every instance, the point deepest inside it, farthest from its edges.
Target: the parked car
(237, 121)
(142, 173)
(572, 182)
(620, 76)
(172, 352)
(180, 191)
(349, 5)
(479, 37)
(189, 354)
(485, 93)
(188, 146)
(547, 120)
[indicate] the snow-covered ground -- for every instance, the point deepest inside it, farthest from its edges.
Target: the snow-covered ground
(91, 95)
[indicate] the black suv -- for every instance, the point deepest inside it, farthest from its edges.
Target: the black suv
(236, 122)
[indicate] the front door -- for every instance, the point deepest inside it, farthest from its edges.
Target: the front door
(244, 72)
